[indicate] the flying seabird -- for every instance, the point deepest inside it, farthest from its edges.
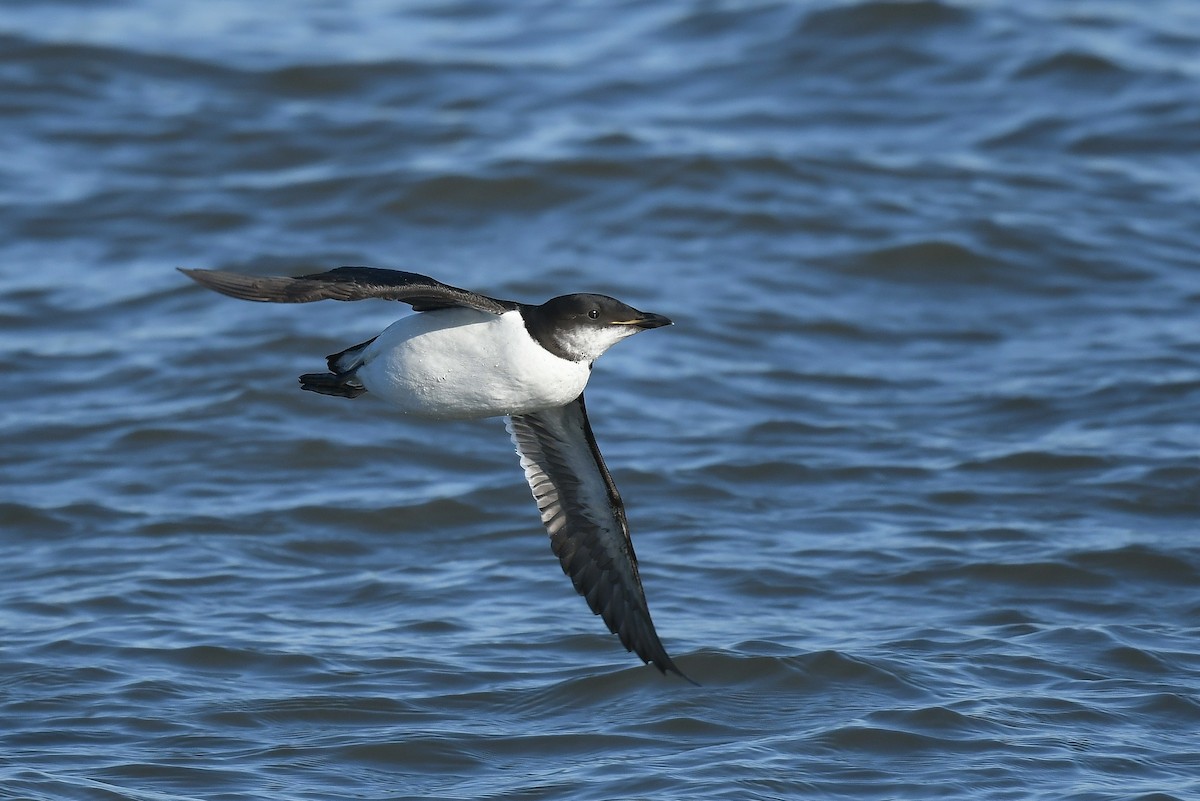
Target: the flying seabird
(468, 356)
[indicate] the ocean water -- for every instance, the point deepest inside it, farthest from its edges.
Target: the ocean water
(914, 479)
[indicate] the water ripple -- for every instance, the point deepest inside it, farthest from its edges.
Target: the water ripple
(911, 480)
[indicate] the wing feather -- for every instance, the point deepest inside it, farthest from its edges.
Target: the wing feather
(585, 517)
(348, 283)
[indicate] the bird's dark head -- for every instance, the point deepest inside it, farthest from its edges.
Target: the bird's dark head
(580, 327)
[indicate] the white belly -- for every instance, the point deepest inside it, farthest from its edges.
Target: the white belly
(463, 363)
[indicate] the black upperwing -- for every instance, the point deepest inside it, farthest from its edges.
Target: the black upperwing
(584, 515)
(348, 283)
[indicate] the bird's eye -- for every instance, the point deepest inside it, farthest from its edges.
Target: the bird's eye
(594, 313)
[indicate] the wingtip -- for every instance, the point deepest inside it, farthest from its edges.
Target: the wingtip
(210, 279)
(261, 289)
(683, 676)
(201, 276)
(667, 665)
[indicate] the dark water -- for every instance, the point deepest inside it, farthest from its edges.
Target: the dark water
(914, 479)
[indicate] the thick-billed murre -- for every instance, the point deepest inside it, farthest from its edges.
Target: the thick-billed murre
(471, 356)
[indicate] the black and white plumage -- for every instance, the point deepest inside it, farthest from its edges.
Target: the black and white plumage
(471, 356)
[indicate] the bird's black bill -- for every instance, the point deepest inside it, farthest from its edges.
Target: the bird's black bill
(648, 320)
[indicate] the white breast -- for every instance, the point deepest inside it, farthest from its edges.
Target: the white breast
(463, 363)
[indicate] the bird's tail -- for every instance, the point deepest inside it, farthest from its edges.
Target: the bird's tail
(340, 380)
(343, 386)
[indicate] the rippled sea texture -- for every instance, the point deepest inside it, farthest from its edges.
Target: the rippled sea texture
(914, 479)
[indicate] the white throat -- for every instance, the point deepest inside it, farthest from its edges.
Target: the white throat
(589, 344)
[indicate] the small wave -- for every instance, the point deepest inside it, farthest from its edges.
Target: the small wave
(708, 22)
(1128, 659)
(230, 659)
(1041, 462)
(876, 17)
(1047, 573)
(838, 329)
(415, 752)
(1135, 138)
(101, 59)
(1177, 706)
(1041, 130)
(326, 711)
(495, 194)
(1075, 66)
(437, 514)
(776, 431)
(930, 262)
(880, 740)
(814, 672)
(339, 80)
(1139, 562)
(30, 521)
(776, 472)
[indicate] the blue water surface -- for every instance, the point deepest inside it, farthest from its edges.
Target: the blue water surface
(913, 480)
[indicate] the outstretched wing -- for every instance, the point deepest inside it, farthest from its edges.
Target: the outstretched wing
(584, 515)
(348, 283)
